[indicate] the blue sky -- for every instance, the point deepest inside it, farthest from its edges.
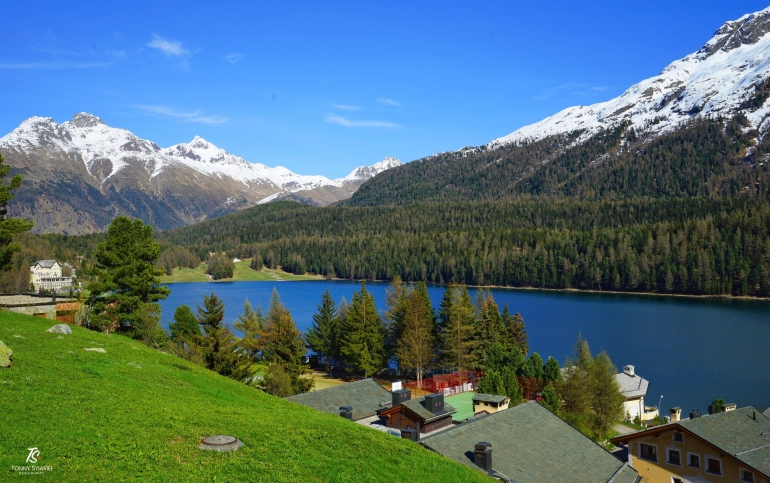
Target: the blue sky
(323, 87)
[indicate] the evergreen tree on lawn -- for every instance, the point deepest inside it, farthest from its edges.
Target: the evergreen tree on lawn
(185, 325)
(282, 344)
(9, 227)
(323, 336)
(363, 338)
(457, 328)
(218, 345)
(251, 323)
(125, 275)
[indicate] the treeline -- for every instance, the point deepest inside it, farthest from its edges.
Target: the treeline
(706, 157)
(696, 246)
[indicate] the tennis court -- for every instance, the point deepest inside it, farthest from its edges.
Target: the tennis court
(463, 403)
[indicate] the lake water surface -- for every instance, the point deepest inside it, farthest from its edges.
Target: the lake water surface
(691, 350)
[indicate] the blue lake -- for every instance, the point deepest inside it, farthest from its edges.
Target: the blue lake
(691, 350)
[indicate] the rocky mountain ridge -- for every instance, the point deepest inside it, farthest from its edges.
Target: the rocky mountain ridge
(81, 173)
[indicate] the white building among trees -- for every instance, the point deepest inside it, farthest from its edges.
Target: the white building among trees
(47, 275)
(634, 389)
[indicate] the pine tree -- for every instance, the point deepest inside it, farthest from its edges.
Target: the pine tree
(323, 336)
(219, 348)
(551, 370)
(516, 331)
(457, 328)
(512, 388)
(395, 308)
(607, 401)
(533, 368)
(577, 387)
(363, 339)
(489, 329)
(416, 346)
(184, 325)
(492, 383)
(551, 399)
(282, 344)
(251, 323)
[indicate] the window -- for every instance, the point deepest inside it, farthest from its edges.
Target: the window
(679, 437)
(648, 452)
(674, 479)
(674, 457)
(713, 466)
(747, 476)
(694, 460)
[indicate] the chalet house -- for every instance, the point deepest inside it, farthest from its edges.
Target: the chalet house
(491, 403)
(529, 444)
(634, 389)
(425, 414)
(731, 446)
(363, 398)
(47, 275)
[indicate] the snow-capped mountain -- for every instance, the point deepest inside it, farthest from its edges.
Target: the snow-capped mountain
(718, 79)
(81, 173)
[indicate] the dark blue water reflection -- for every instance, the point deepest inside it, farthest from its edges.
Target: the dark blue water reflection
(691, 350)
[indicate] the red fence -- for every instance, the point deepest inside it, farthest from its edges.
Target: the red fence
(453, 383)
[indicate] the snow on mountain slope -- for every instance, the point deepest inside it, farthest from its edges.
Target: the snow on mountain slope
(717, 79)
(90, 137)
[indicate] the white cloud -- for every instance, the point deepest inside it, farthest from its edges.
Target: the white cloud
(168, 47)
(332, 119)
(389, 102)
(169, 112)
(346, 107)
(233, 58)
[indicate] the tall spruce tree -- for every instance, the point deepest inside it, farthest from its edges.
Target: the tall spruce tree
(125, 276)
(457, 328)
(251, 322)
(489, 329)
(363, 335)
(282, 344)
(607, 401)
(533, 368)
(516, 331)
(185, 324)
(395, 308)
(551, 370)
(416, 346)
(323, 336)
(218, 345)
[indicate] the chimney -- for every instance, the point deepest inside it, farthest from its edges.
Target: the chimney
(482, 456)
(754, 415)
(629, 370)
(411, 434)
(695, 414)
(346, 412)
(434, 403)
(676, 414)
(401, 396)
(712, 409)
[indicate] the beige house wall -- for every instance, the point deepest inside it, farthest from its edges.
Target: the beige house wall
(664, 472)
(490, 407)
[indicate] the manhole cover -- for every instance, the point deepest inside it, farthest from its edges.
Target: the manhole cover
(221, 443)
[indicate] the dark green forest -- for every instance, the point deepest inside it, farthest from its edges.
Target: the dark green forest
(707, 157)
(683, 245)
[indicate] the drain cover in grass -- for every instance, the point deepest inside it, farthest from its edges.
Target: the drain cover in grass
(221, 443)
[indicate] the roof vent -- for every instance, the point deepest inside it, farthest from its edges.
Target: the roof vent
(401, 396)
(629, 370)
(346, 412)
(482, 456)
(676, 414)
(411, 434)
(434, 403)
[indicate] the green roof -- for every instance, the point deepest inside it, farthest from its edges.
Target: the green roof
(417, 406)
(364, 396)
(737, 433)
(493, 398)
(531, 445)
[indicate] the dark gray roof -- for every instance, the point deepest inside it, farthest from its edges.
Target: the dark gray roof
(365, 396)
(45, 263)
(493, 398)
(738, 433)
(418, 407)
(632, 387)
(531, 445)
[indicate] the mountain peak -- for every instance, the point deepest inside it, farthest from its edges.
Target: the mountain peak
(199, 142)
(84, 119)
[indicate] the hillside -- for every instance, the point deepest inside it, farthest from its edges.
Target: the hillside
(80, 174)
(699, 128)
(136, 414)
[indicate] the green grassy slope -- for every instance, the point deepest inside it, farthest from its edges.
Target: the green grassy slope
(137, 414)
(241, 272)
